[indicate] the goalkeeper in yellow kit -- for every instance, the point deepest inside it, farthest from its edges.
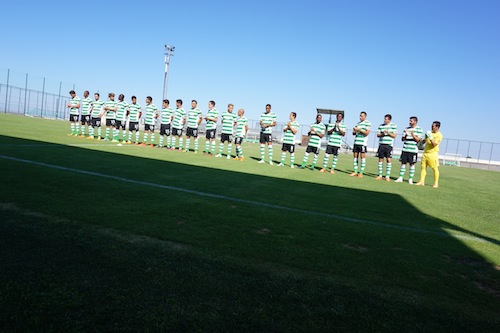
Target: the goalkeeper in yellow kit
(430, 158)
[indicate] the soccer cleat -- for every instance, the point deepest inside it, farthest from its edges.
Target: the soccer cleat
(410, 181)
(435, 186)
(228, 157)
(218, 155)
(114, 140)
(236, 158)
(142, 144)
(186, 150)
(378, 178)
(354, 174)
(261, 161)
(242, 158)
(399, 180)
(270, 162)
(420, 184)
(292, 166)
(387, 179)
(332, 172)
(281, 164)
(322, 170)
(195, 152)
(360, 175)
(137, 143)
(99, 138)
(90, 138)
(70, 134)
(151, 145)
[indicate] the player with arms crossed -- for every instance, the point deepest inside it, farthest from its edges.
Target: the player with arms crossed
(241, 131)
(97, 114)
(178, 124)
(336, 131)
(228, 120)
(361, 131)
(411, 136)
(110, 107)
(121, 119)
(386, 133)
(134, 114)
(74, 109)
(430, 158)
(316, 133)
(291, 128)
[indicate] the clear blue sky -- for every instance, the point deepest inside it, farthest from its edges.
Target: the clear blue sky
(438, 60)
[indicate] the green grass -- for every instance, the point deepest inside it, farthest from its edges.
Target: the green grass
(88, 252)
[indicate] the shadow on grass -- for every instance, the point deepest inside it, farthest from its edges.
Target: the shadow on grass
(256, 253)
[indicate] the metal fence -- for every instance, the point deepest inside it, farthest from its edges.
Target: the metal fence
(38, 97)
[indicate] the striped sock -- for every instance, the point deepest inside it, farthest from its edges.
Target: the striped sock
(161, 141)
(412, 171)
(334, 163)
(388, 169)
(188, 143)
(262, 151)
(380, 168)
(195, 145)
(229, 148)
(304, 160)
(153, 138)
(213, 147)
(355, 165)
(315, 159)
(270, 152)
(325, 160)
(292, 158)
(363, 164)
(283, 156)
(402, 170)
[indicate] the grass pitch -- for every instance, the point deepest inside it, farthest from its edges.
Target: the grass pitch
(102, 237)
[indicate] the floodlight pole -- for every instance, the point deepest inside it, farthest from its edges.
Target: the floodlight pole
(169, 51)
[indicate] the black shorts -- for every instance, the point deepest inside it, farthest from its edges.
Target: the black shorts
(177, 131)
(210, 134)
(384, 151)
(149, 127)
(225, 137)
(265, 138)
(165, 129)
(85, 119)
(238, 140)
(311, 149)
(73, 118)
(332, 150)
(359, 149)
(120, 124)
(133, 126)
(110, 122)
(407, 157)
(192, 132)
(96, 122)
(288, 147)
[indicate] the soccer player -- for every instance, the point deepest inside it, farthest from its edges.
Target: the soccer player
(316, 133)
(430, 157)
(194, 118)
(241, 131)
(121, 119)
(74, 106)
(97, 114)
(167, 114)
(110, 107)
(386, 133)
(178, 124)
(211, 119)
(149, 122)
(336, 131)
(134, 114)
(85, 116)
(267, 122)
(228, 120)
(289, 130)
(361, 131)
(411, 136)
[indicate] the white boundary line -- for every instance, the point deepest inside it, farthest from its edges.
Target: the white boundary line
(250, 202)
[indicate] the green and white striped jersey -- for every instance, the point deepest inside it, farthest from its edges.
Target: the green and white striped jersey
(212, 114)
(391, 128)
(86, 103)
(289, 137)
(151, 113)
(193, 116)
(121, 113)
(96, 108)
(267, 119)
(360, 139)
(74, 102)
(166, 115)
(228, 120)
(179, 117)
(409, 144)
(241, 124)
(111, 114)
(335, 138)
(134, 112)
(314, 140)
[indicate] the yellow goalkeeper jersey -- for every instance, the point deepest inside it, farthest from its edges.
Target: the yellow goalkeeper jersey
(429, 148)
